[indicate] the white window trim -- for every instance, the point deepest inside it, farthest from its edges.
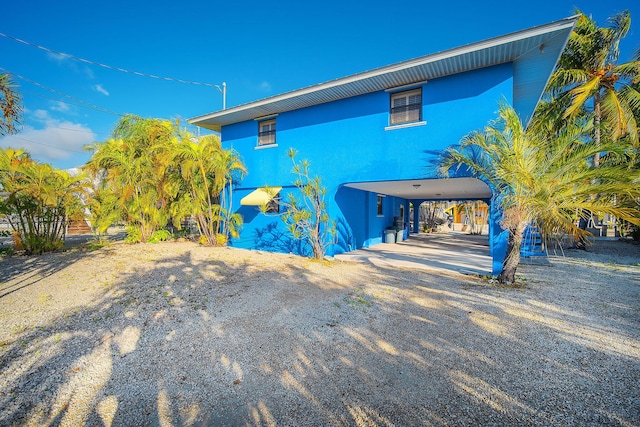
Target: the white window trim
(405, 125)
(265, 146)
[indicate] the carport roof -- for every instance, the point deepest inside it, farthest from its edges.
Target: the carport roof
(533, 51)
(428, 189)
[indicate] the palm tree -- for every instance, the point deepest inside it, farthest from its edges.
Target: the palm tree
(38, 200)
(197, 165)
(230, 170)
(543, 180)
(11, 106)
(135, 162)
(208, 171)
(590, 79)
(103, 206)
(159, 173)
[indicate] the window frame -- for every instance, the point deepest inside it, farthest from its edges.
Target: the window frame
(269, 135)
(380, 205)
(404, 114)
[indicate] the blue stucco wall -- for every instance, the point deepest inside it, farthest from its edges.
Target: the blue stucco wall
(346, 141)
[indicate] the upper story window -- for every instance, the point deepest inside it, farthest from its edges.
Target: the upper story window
(406, 107)
(267, 132)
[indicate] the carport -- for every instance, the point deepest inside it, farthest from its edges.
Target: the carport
(449, 251)
(417, 191)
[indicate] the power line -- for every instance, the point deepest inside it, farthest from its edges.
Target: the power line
(64, 102)
(79, 130)
(123, 70)
(93, 106)
(46, 145)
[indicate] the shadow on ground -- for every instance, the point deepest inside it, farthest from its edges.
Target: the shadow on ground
(452, 251)
(20, 271)
(199, 337)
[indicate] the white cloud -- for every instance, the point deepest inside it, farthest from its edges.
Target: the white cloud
(60, 106)
(102, 90)
(67, 61)
(41, 114)
(57, 141)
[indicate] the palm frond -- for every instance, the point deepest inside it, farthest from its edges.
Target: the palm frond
(10, 106)
(581, 94)
(566, 78)
(627, 72)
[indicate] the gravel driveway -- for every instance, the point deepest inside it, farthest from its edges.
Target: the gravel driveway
(177, 334)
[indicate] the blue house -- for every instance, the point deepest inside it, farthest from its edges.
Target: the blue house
(369, 135)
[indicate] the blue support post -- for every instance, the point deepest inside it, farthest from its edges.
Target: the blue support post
(416, 215)
(498, 237)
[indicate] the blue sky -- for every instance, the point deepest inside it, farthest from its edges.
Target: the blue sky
(258, 48)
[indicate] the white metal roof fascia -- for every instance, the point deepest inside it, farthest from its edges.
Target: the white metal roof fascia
(566, 23)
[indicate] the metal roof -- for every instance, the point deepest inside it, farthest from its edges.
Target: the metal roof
(533, 51)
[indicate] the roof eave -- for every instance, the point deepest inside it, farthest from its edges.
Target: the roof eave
(216, 124)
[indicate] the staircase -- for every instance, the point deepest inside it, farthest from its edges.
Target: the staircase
(532, 244)
(78, 226)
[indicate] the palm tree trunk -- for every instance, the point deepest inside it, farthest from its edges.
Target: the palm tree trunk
(597, 119)
(223, 212)
(230, 196)
(512, 259)
(583, 222)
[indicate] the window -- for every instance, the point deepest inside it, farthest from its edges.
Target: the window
(267, 132)
(273, 205)
(380, 205)
(406, 107)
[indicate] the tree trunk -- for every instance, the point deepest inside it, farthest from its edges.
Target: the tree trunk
(583, 222)
(512, 259)
(315, 234)
(597, 118)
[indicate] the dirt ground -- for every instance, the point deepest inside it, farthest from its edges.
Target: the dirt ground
(178, 334)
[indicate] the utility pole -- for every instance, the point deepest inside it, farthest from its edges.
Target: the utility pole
(223, 91)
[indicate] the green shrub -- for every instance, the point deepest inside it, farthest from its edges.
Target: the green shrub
(97, 243)
(159, 236)
(133, 234)
(6, 251)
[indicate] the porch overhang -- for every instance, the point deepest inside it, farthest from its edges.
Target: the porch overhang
(466, 188)
(260, 197)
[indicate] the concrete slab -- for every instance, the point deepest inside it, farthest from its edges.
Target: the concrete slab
(452, 251)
